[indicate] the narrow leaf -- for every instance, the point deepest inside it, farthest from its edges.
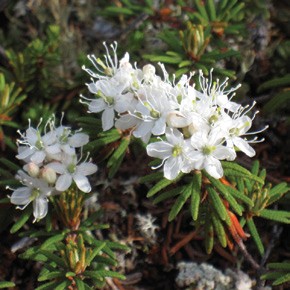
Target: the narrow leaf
(168, 194)
(181, 200)
(22, 220)
(255, 235)
(276, 215)
(162, 184)
(195, 195)
(54, 239)
(6, 284)
(217, 203)
(279, 266)
(52, 257)
(219, 229)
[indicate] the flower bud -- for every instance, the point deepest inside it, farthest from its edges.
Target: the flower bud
(49, 175)
(177, 120)
(148, 72)
(32, 169)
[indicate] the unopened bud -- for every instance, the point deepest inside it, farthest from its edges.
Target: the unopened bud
(148, 71)
(32, 169)
(49, 175)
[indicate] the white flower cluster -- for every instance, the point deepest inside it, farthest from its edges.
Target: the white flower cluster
(51, 165)
(197, 128)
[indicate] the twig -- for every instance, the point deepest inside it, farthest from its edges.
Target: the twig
(182, 242)
(248, 256)
(276, 233)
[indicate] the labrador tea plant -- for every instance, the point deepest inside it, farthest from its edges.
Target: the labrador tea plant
(193, 129)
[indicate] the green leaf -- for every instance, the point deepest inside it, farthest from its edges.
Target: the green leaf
(201, 9)
(278, 101)
(285, 278)
(119, 152)
(6, 284)
(181, 200)
(223, 189)
(276, 215)
(171, 39)
(277, 192)
(163, 58)
(105, 273)
(274, 83)
(279, 266)
(48, 286)
(80, 284)
(219, 229)
(118, 246)
(117, 157)
(9, 164)
(151, 177)
(119, 10)
(255, 235)
(209, 235)
(53, 240)
(95, 252)
(195, 195)
(51, 275)
(63, 285)
(22, 220)
(162, 184)
(168, 194)
(233, 169)
(272, 275)
(105, 260)
(255, 167)
(211, 10)
(52, 257)
(217, 204)
(240, 195)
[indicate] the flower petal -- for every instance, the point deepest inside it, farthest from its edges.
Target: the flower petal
(244, 146)
(82, 183)
(126, 121)
(24, 152)
(108, 118)
(38, 157)
(223, 152)
(97, 106)
(32, 135)
(57, 167)
(159, 150)
(63, 182)
(53, 149)
(87, 168)
(21, 196)
(171, 168)
(143, 129)
(159, 127)
(40, 207)
(93, 88)
(213, 167)
(78, 140)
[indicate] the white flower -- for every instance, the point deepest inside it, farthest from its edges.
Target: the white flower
(70, 171)
(237, 128)
(173, 153)
(35, 191)
(152, 110)
(208, 151)
(36, 147)
(217, 92)
(67, 141)
(110, 99)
